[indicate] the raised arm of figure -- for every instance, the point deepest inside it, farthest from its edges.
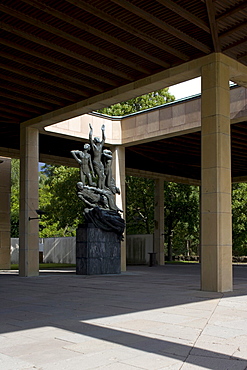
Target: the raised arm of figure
(91, 135)
(103, 134)
(75, 153)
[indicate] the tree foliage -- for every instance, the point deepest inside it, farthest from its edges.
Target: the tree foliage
(239, 219)
(181, 213)
(153, 99)
(14, 217)
(58, 198)
(140, 205)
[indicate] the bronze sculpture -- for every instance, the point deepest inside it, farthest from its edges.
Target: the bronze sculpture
(97, 188)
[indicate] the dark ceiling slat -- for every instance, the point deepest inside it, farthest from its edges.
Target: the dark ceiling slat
(235, 44)
(239, 132)
(17, 90)
(128, 28)
(94, 31)
(8, 121)
(184, 161)
(231, 11)
(21, 107)
(17, 112)
(52, 72)
(18, 98)
(70, 67)
(169, 146)
(213, 25)
(44, 80)
(64, 51)
(240, 27)
(37, 87)
(242, 56)
(176, 8)
(10, 117)
(163, 25)
(82, 43)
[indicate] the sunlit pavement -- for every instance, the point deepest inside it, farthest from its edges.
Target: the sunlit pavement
(147, 318)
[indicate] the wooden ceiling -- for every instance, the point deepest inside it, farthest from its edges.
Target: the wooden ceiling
(55, 53)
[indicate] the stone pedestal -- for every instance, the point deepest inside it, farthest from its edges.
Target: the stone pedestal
(97, 251)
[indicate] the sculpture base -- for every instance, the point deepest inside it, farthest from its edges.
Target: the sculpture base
(97, 251)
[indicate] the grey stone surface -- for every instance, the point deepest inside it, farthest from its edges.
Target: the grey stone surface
(141, 319)
(97, 251)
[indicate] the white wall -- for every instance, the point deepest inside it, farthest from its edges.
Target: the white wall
(55, 250)
(138, 248)
(59, 250)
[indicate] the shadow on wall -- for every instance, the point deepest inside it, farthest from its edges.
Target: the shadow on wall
(55, 250)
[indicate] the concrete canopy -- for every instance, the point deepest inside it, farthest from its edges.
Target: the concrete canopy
(64, 59)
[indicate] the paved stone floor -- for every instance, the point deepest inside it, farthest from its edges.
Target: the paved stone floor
(147, 318)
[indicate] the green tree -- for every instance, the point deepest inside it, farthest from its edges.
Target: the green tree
(15, 190)
(239, 219)
(181, 214)
(58, 198)
(140, 205)
(153, 99)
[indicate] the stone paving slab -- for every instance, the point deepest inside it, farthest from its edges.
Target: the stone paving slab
(146, 318)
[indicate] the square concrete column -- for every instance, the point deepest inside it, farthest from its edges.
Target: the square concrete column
(216, 218)
(159, 221)
(118, 173)
(29, 203)
(5, 191)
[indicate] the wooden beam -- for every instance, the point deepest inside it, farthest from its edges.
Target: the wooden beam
(213, 25)
(37, 87)
(163, 25)
(242, 55)
(22, 114)
(78, 41)
(10, 117)
(21, 107)
(18, 98)
(240, 27)
(52, 72)
(57, 62)
(185, 14)
(235, 44)
(96, 32)
(44, 80)
(231, 11)
(62, 50)
(16, 90)
(127, 28)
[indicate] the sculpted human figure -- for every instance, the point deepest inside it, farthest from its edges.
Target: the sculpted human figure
(97, 147)
(85, 162)
(95, 196)
(107, 161)
(109, 181)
